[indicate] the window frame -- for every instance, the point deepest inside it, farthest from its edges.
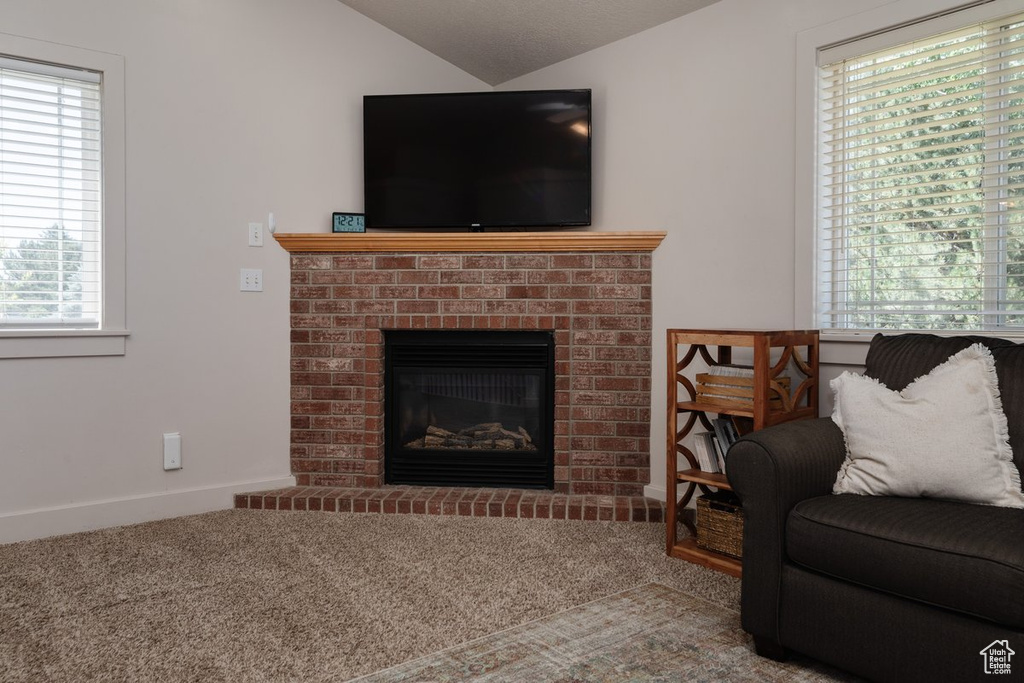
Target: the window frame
(876, 29)
(109, 339)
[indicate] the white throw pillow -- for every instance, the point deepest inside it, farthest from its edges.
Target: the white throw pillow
(944, 436)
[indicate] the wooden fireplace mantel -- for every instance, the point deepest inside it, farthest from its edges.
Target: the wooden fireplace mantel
(554, 241)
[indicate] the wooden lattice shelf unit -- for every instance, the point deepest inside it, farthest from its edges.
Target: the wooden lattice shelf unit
(770, 398)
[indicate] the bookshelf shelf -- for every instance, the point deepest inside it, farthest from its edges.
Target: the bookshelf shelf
(705, 407)
(707, 478)
(770, 398)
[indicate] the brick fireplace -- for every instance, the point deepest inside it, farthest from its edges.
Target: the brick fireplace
(591, 290)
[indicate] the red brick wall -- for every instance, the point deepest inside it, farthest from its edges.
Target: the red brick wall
(598, 305)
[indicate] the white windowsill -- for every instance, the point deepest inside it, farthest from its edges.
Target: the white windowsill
(61, 343)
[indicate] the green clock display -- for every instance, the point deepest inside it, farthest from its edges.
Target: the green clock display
(349, 222)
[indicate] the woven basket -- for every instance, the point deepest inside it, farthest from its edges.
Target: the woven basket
(724, 391)
(720, 526)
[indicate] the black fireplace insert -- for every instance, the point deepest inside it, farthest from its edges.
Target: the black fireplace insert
(469, 408)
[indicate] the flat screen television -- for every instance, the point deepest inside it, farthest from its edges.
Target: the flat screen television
(477, 160)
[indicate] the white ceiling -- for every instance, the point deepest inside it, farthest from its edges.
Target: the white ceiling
(497, 40)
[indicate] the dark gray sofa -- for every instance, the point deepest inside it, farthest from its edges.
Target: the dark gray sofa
(892, 589)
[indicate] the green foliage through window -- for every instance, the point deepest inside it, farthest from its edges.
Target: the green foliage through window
(39, 278)
(921, 195)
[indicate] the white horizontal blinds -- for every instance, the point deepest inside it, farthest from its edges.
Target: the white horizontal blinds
(921, 184)
(50, 196)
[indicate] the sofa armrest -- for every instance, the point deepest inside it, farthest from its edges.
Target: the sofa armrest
(772, 470)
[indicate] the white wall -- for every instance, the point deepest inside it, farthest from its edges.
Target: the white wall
(694, 134)
(234, 108)
(240, 107)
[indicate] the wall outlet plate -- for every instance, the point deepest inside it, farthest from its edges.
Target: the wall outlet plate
(252, 280)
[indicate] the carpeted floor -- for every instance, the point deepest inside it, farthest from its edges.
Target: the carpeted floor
(246, 595)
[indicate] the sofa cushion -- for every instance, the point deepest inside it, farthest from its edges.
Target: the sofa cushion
(963, 557)
(944, 436)
(897, 360)
(1010, 370)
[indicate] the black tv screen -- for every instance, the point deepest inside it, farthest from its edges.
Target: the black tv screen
(468, 160)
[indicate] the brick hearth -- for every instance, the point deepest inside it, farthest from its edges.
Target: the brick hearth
(595, 298)
(462, 502)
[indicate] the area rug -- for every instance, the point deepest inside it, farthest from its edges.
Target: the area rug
(648, 633)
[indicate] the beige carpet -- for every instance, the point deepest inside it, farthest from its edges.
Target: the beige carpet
(245, 595)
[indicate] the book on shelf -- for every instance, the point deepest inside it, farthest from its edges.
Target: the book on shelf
(734, 433)
(724, 431)
(719, 450)
(731, 370)
(714, 462)
(705, 461)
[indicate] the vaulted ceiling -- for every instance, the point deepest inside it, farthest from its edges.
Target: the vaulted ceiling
(497, 40)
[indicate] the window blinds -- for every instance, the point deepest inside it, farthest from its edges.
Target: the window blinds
(50, 196)
(921, 184)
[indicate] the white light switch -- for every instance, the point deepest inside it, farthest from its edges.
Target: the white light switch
(255, 234)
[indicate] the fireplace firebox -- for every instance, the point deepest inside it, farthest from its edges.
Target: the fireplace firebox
(469, 408)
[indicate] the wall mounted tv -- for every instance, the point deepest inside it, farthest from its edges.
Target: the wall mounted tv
(477, 160)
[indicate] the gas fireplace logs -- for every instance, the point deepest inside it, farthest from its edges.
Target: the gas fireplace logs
(484, 436)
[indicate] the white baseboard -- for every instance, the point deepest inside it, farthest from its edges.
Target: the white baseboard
(69, 519)
(656, 492)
